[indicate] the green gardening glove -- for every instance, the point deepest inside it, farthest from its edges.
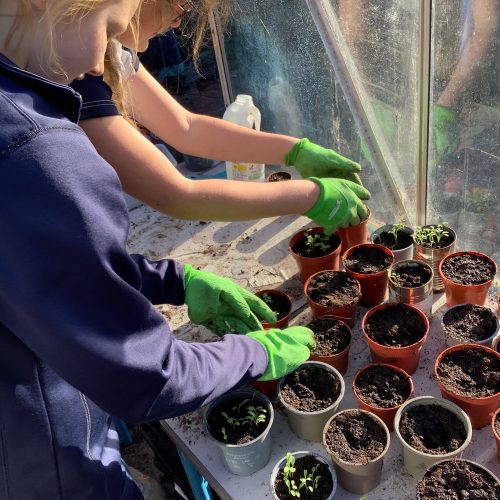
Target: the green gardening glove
(340, 204)
(444, 132)
(286, 349)
(310, 160)
(221, 305)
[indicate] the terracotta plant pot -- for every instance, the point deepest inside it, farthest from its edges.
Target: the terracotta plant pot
(386, 414)
(340, 360)
(311, 265)
(328, 483)
(417, 460)
(373, 285)
(402, 250)
(334, 281)
(457, 293)
(495, 428)
(433, 256)
(243, 459)
(309, 424)
(354, 235)
(279, 176)
(283, 303)
(405, 357)
(479, 409)
(469, 323)
(362, 475)
(419, 295)
(441, 480)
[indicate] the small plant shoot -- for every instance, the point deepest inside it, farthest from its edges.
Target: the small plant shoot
(308, 481)
(396, 229)
(317, 244)
(430, 236)
(244, 415)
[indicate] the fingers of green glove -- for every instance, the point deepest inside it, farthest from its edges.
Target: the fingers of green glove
(360, 191)
(300, 334)
(341, 161)
(234, 300)
(259, 307)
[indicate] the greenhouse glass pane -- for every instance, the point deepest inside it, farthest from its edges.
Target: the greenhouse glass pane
(276, 54)
(464, 162)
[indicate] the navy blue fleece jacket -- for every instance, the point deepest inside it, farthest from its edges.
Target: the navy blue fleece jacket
(80, 338)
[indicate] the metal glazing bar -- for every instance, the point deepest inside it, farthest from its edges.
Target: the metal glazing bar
(424, 73)
(220, 57)
(346, 73)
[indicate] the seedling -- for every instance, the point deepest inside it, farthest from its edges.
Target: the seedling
(268, 299)
(309, 480)
(317, 243)
(396, 229)
(249, 415)
(429, 236)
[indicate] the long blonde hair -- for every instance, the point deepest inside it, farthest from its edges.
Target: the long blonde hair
(55, 12)
(195, 31)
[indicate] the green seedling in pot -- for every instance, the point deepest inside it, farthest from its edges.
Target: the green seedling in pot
(396, 229)
(309, 480)
(318, 241)
(269, 301)
(253, 416)
(430, 236)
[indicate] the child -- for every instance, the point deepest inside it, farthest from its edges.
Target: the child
(80, 339)
(148, 175)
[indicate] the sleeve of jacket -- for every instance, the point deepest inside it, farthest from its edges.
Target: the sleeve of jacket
(73, 295)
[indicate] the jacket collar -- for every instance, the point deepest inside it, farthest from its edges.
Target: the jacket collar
(66, 100)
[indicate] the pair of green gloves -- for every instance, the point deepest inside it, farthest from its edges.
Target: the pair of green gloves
(222, 306)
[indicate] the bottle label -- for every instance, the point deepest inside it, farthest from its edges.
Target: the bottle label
(246, 171)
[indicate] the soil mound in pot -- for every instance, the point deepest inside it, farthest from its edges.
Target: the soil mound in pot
(238, 409)
(307, 463)
(468, 269)
(457, 480)
(355, 437)
(310, 389)
(382, 387)
(368, 260)
(469, 323)
(470, 372)
(411, 276)
(396, 326)
(333, 289)
(432, 429)
(331, 335)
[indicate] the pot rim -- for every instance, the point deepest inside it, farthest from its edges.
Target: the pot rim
(229, 395)
(316, 230)
(280, 293)
(467, 252)
(326, 367)
(350, 250)
(420, 263)
(488, 339)
(449, 405)
(299, 454)
(386, 305)
(459, 347)
(392, 367)
(441, 462)
(372, 415)
(354, 301)
(453, 234)
(493, 418)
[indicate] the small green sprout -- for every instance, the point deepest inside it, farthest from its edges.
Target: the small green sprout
(309, 480)
(396, 229)
(318, 241)
(253, 416)
(429, 236)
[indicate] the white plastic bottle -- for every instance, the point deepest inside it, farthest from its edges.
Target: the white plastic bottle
(244, 112)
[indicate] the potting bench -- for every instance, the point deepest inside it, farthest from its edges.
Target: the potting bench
(255, 255)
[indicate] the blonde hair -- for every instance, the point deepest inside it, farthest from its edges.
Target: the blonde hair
(194, 31)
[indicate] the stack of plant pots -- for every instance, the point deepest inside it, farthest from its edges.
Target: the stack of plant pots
(357, 442)
(244, 449)
(430, 430)
(310, 395)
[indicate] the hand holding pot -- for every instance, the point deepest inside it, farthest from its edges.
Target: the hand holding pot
(221, 305)
(286, 349)
(310, 159)
(340, 204)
